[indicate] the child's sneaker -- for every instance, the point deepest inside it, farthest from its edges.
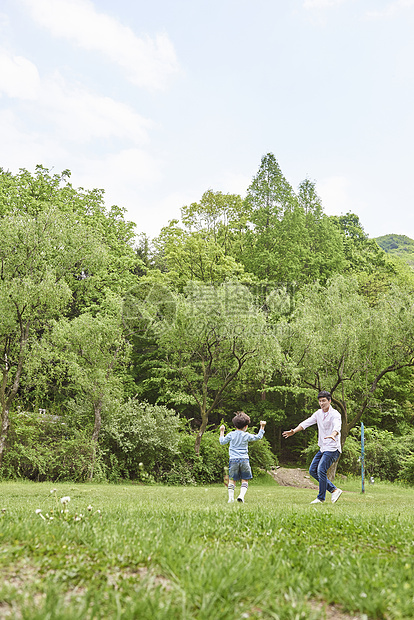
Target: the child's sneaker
(240, 499)
(231, 499)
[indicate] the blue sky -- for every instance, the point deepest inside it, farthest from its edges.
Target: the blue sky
(156, 102)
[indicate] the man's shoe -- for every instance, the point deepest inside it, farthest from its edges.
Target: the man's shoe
(335, 495)
(317, 501)
(240, 499)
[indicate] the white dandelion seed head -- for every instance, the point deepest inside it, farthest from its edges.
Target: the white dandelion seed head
(65, 500)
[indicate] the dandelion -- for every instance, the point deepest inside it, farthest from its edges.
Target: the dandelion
(38, 511)
(90, 508)
(53, 490)
(141, 465)
(3, 510)
(65, 500)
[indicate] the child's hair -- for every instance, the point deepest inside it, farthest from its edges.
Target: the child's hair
(241, 419)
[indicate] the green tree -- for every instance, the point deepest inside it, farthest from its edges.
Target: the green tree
(30, 195)
(288, 238)
(209, 338)
(37, 256)
(195, 256)
(91, 348)
(341, 343)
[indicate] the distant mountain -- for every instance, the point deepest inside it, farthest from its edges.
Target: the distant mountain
(398, 245)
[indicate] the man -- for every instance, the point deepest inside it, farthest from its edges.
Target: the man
(329, 441)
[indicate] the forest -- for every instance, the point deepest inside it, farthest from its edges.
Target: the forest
(122, 355)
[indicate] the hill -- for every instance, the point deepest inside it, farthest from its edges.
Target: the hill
(398, 245)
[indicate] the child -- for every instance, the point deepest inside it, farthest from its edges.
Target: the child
(239, 465)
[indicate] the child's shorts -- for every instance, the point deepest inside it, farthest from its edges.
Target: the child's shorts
(239, 469)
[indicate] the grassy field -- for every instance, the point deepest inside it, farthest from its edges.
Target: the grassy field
(153, 552)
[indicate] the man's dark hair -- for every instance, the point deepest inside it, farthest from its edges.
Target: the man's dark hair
(325, 394)
(241, 419)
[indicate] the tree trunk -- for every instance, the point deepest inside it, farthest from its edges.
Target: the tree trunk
(204, 422)
(95, 435)
(332, 471)
(3, 433)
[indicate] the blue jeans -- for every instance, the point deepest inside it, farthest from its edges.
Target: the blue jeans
(318, 468)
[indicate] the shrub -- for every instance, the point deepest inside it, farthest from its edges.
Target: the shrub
(406, 473)
(42, 448)
(385, 454)
(212, 462)
(138, 432)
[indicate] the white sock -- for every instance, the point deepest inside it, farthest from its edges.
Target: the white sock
(243, 489)
(231, 491)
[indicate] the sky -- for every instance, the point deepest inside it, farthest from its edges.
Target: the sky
(157, 102)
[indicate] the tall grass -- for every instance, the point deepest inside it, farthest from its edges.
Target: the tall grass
(155, 552)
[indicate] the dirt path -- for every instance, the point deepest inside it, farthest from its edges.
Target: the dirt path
(287, 477)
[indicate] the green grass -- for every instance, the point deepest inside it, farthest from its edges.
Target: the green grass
(170, 553)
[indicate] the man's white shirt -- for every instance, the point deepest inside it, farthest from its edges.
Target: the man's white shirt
(327, 423)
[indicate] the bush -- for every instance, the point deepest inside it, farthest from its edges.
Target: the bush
(41, 447)
(406, 473)
(212, 462)
(386, 456)
(138, 432)
(190, 468)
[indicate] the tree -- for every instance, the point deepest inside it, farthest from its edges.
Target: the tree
(30, 195)
(188, 256)
(91, 348)
(209, 339)
(288, 238)
(37, 256)
(221, 217)
(341, 343)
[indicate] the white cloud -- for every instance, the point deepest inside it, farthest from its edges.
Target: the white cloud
(81, 115)
(148, 62)
(334, 194)
(321, 4)
(20, 148)
(74, 112)
(234, 183)
(391, 9)
(122, 171)
(18, 77)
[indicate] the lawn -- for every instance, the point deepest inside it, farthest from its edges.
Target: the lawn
(154, 552)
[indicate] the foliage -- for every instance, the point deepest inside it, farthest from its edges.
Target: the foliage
(398, 245)
(61, 253)
(386, 456)
(42, 447)
(350, 346)
(210, 338)
(138, 432)
(406, 473)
